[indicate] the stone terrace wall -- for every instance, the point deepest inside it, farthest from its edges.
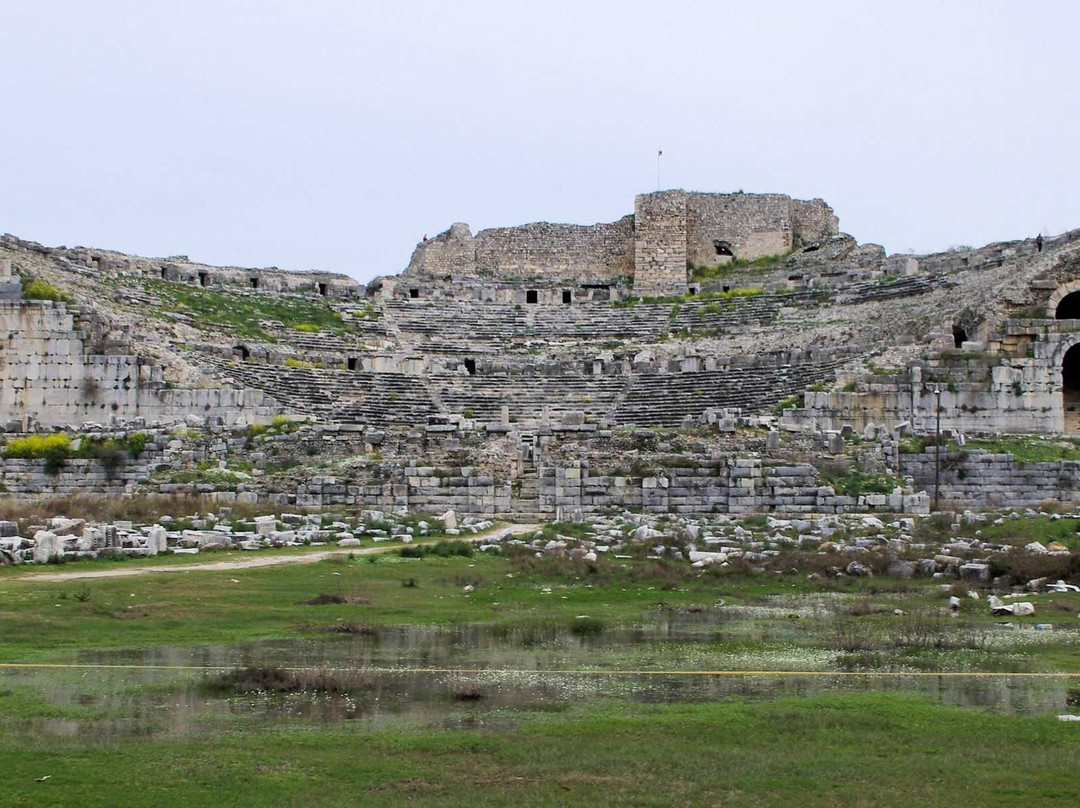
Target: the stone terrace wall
(48, 371)
(597, 253)
(724, 485)
(979, 479)
(660, 243)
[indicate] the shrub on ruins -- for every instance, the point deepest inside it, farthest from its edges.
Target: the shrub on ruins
(111, 454)
(788, 403)
(37, 289)
(53, 449)
(36, 447)
(136, 443)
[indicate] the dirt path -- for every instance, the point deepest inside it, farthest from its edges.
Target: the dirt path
(254, 562)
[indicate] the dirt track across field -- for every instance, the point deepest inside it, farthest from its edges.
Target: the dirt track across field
(256, 561)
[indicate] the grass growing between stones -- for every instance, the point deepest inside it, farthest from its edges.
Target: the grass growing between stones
(241, 314)
(863, 749)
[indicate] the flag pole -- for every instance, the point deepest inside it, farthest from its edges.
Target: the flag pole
(659, 154)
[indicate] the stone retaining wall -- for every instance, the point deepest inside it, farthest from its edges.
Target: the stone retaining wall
(980, 479)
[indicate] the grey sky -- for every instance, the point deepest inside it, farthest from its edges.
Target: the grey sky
(333, 135)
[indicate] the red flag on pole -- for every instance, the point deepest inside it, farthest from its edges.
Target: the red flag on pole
(659, 153)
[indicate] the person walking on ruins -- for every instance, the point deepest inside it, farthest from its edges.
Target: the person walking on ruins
(1038, 243)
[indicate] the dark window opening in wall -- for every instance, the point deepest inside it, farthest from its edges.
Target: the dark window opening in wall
(242, 352)
(203, 279)
(164, 273)
(814, 247)
(353, 362)
(727, 288)
(414, 293)
(723, 248)
(323, 289)
(567, 296)
(532, 296)
(254, 283)
(470, 366)
(959, 336)
(1069, 307)
(1070, 389)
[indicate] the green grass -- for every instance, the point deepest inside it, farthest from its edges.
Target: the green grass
(208, 607)
(239, 314)
(1029, 449)
(1041, 528)
(860, 749)
(704, 273)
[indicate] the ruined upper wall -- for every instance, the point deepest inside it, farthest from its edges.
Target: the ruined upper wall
(753, 225)
(660, 243)
(180, 269)
(596, 253)
(668, 231)
(582, 253)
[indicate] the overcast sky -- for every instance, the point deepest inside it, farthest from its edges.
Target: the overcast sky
(334, 135)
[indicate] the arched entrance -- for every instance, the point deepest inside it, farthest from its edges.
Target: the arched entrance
(1069, 307)
(1070, 390)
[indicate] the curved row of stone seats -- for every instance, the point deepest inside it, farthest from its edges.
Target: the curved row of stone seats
(332, 394)
(321, 342)
(871, 291)
(446, 321)
(528, 397)
(388, 399)
(358, 317)
(666, 399)
(308, 391)
(757, 310)
(446, 326)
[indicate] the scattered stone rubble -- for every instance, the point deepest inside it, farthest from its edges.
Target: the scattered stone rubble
(853, 546)
(68, 539)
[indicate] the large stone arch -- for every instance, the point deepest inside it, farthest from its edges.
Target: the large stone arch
(1059, 348)
(1062, 292)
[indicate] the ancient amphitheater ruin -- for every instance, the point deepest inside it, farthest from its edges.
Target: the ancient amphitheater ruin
(706, 354)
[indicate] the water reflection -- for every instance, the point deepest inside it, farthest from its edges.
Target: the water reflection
(491, 674)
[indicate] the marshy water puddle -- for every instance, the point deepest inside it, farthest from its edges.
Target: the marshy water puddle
(475, 676)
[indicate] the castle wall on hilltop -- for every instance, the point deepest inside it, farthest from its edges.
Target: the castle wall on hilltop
(660, 243)
(596, 253)
(668, 232)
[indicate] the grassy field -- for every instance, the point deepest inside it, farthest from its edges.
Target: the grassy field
(101, 734)
(44, 621)
(867, 750)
